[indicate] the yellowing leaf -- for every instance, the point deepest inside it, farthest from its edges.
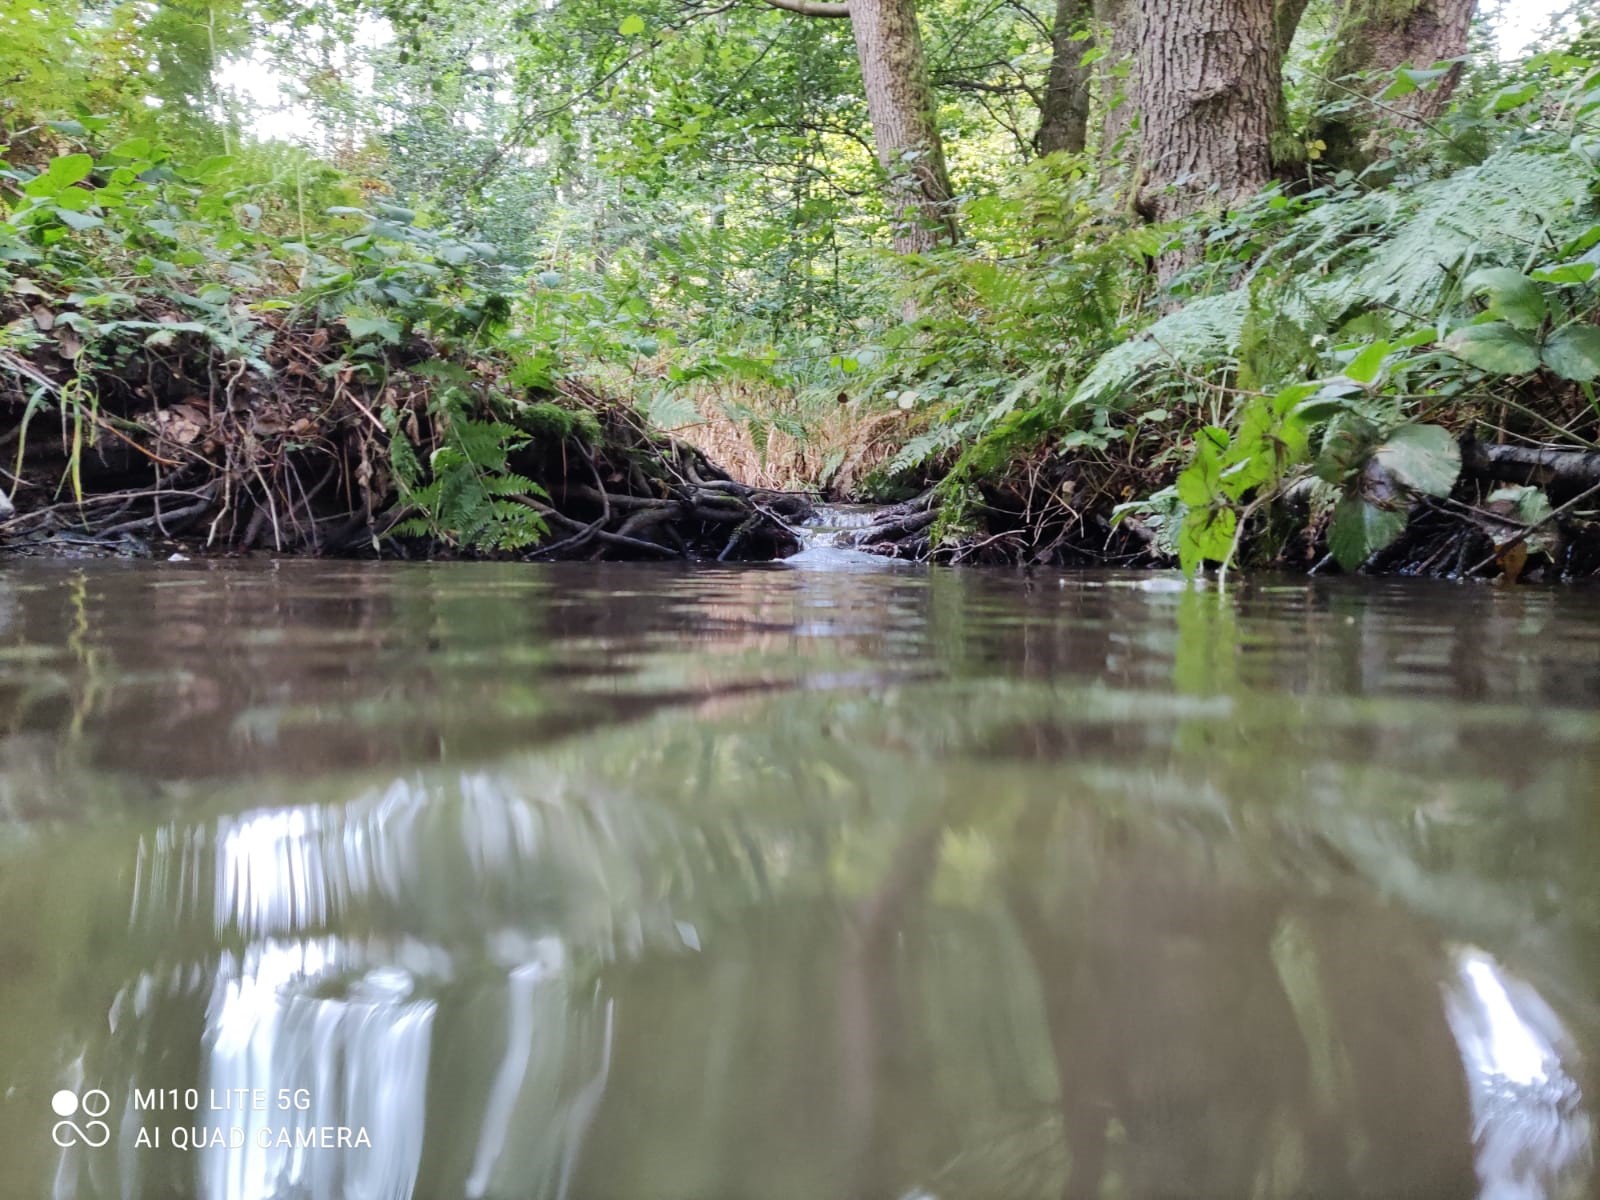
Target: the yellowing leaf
(1496, 348)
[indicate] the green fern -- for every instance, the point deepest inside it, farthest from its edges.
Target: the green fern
(1403, 250)
(1489, 214)
(473, 499)
(1205, 332)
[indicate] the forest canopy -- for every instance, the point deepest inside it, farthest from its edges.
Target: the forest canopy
(1308, 282)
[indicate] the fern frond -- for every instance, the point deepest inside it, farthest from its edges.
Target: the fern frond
(1198, 335)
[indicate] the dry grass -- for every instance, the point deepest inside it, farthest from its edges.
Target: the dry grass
(844, 442)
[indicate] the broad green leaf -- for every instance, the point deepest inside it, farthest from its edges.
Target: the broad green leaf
(1496, 348)
(1574, 353)
(133, 148)
(1360, 530)
(61, 174)
(1364, 367)
(1346, 446)
(1514, 96)
(1513, 297)
(78, 220)
(632, 26)
(1201, 481)
(367, 328)
(1411, 79)
(1205, 535)
(1528, 504)
(1561, 273)
(211, 169)
(1423, 457)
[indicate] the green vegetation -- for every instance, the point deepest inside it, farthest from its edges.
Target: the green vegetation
(516, 241)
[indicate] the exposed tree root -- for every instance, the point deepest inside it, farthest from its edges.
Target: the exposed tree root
(1049, 511)
(178, 448)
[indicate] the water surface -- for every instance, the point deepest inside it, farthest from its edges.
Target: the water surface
(766, 882)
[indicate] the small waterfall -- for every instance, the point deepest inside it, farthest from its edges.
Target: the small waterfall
(829, 539)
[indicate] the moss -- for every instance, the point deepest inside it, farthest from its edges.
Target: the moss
(548, 420)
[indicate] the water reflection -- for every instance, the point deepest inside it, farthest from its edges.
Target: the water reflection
(1532, 1131)
(778, 884)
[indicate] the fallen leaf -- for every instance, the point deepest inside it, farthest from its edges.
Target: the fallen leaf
(44, 319)
(182, 424)
(1512, 559)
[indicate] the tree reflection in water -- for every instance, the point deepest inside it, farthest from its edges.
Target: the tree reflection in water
(1116, 894)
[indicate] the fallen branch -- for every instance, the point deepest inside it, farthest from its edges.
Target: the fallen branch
(1542, 466)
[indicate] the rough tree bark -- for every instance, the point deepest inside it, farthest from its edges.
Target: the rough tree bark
(1120, 21)
(1064, 112)
(1372, 38)
(1209, 79)
(905, 129)
(900, 105)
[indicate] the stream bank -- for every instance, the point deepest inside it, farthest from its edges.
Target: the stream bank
(1055, 511)
(324, 444)
(328, 445)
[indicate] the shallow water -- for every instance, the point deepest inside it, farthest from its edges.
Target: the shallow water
(771, 882)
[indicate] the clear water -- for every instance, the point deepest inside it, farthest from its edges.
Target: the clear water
(828, 540)
(769, 882)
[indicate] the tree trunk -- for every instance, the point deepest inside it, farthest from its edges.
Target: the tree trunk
(1209, 82)
(905, 129)
(1378, 36)
(1119, 24)
(1064, 115)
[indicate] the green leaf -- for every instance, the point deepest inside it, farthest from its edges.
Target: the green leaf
(132, 149)
(1574, 353)
(631, 26)
(1364, 367)
(364, 329)
(668, 410)
(1360, 530)
(1346, 446)
(1411, 79)
(1528, 504)
(61, 174)
(1201, 481)
(78, 220)
(1564, 273)
(211, 169)
(1423, 457)
(1513, 297)
(1496, 348)
(1514, 96)
(1206, 534)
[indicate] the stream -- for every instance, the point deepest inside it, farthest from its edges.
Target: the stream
(829, 878)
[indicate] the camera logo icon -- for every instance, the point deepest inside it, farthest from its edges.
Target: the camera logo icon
(93, 1132)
